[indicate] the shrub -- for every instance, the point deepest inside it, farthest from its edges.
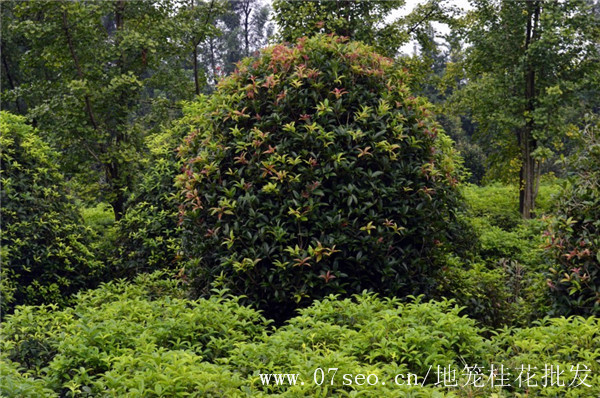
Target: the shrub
(45, 254)
(498, 204)
(119, 326)
(495, 202)
(122, 340)
(573, 235)
(147, 237)
(144, 340)
(16, 383)
(564, 344)
(482, 292)
(313, 171)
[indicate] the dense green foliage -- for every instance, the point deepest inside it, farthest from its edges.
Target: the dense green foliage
(573, 235)
(312, 171)
(359, 21)
(376, 23)
(147, 238)
(45, 253)
(501, 279)
(97, 76)
(320, 226)
(145, 340)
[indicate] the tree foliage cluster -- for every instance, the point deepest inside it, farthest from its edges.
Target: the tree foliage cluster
(96, 77)
(532, 75)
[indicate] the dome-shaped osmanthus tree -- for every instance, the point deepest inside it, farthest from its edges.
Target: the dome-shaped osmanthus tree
(312, 170)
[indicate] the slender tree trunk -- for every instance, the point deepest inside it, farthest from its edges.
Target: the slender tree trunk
(196, 43)
(114, 174)
(213, 63)
(247, 10)
(195, 55)
(527, 143)
(196, 78)
(11, 83)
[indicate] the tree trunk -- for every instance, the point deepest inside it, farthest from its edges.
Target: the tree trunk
(118, 200)
(11, 83)
(114, 176)
(196, 43)
(527, 142)
(213, 63)
(247, 9)
(88, 104)
(196, 78)
(527, 176)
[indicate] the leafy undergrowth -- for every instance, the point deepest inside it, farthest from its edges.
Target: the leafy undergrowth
(145, 339)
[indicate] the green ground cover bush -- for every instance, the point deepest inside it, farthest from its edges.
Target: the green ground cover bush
(498, 203)
(502, 279)
(144, 339)
(312, 170)
(45, 248)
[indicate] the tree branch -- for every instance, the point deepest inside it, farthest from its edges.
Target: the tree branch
(88, 105)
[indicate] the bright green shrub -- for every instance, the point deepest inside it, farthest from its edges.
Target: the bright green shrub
(144, 340)
(16, 383)
(99, 217)
(365, 335)
(495, 202)
(162, 373)
(498, 204)
(147, 238)
(33, 334)
(573, 235)
(120, 323)
(45, 254)
(482, 292)
(313, 171)
(557, 342)
(500, 280)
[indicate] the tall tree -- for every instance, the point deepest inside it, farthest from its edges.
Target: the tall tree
(358, 20)
(528, 64)
(244, 27)
(366, 21)
(96, 75)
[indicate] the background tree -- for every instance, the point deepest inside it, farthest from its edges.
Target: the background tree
(244, 27)
(366, 21)
(96, 76)
(532, 66)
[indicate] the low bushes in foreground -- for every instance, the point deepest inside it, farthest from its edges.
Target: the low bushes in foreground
(146, 340)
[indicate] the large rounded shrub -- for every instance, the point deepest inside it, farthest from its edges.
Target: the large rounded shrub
(573, 235)
(312, 170)
(44, 247)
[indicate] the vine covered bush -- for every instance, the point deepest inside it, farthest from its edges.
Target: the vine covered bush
(45, 253)
(312, 170)
(573, 235)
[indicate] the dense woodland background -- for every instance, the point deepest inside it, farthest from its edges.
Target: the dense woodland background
(196, 192)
